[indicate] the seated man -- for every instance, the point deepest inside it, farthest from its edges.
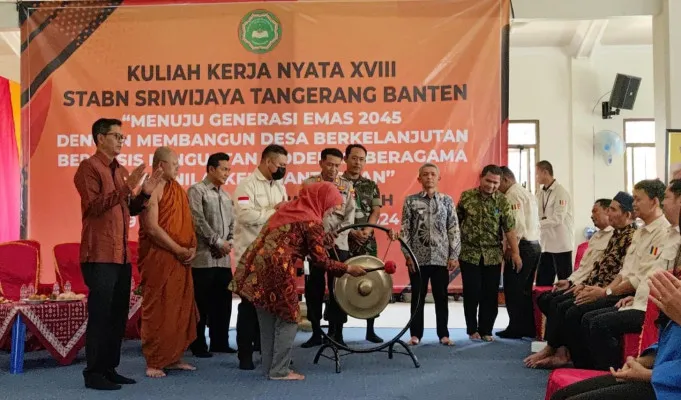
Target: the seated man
(655, 374)
(565, 289)
(603, 329)
(644, 252)
(599, 272)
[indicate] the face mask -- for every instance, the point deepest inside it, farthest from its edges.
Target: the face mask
(279, 173)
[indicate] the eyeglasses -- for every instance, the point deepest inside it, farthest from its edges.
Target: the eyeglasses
(116, 136)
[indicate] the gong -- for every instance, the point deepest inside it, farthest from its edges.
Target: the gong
(364, 297)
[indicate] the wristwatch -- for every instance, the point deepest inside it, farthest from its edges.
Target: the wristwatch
(608, 292)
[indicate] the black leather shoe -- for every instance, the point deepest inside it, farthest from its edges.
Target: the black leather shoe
(227, 350)
(314, 341)
(373, 338)
(115, 377)
(202, 354)
(246, 364)
(506, 334)
(99, 382)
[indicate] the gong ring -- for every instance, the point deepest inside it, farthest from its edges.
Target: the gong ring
(417, 269)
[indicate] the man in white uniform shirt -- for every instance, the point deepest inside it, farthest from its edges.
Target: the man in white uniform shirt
(255, 200)
(606, 326)
(518, 283)
(557, 237)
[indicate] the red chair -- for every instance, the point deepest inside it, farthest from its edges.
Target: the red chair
(19, 265)
(581, 249)
(133, 329)
(134, 256)
(632, 346)
(561, 377)
(67, 267)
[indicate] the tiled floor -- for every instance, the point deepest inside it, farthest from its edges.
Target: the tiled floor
(397, 314)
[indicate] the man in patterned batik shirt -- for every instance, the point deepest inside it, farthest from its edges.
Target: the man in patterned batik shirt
(431, 229)
(486, 217)
(368, 197)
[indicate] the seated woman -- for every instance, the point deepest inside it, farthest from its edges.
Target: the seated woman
(267, 278)
(656, 374)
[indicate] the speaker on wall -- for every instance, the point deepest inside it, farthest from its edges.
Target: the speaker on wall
(622, 96)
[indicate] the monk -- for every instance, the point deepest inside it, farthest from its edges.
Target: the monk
(167, 245)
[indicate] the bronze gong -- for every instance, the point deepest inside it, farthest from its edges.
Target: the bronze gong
(364, 297)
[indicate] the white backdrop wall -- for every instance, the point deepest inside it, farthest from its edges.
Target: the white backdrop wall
(548, 85)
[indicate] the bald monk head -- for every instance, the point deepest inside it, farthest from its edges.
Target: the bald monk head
(166, 159)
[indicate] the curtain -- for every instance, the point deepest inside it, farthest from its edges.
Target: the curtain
(10, 168)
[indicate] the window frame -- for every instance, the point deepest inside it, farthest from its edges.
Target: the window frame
(632, 145)
(520, 147)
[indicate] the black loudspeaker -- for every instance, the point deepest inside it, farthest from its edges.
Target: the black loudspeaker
(622, 96)
(624, 92)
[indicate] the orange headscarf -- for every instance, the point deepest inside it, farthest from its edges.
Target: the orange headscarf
(311, 204)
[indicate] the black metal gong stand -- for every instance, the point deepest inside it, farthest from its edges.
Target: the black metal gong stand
(339, 350)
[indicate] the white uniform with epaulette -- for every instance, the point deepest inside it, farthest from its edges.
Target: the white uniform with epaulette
(345, 216)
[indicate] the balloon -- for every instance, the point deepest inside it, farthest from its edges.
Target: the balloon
(610, 144)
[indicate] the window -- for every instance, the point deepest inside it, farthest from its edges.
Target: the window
(522, 151)
(639, 158)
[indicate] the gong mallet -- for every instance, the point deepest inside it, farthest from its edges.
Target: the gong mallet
(390, 268)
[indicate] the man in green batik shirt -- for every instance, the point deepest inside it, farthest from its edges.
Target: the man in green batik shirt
(362, 241)
(485, 218)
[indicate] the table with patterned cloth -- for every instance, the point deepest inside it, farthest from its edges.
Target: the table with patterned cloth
(59, 326)
(7, 315)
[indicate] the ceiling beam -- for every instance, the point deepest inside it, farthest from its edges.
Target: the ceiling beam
(587, 38)
(583, 9)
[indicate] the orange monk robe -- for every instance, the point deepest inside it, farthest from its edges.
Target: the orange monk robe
(169, 314)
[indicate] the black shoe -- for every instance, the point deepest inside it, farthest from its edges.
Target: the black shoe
(99, 382)
(339, 340)
(506, 334)
(115, 377)
(227, 350)
(202, 354)
(246, 364)
(373, 338)
(314, 341)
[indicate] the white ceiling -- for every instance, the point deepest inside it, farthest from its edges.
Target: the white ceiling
(580, 37)
(616, 31)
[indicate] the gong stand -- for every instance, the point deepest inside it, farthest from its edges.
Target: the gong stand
(339, 350)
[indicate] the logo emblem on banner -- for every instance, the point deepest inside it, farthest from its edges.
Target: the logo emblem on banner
(260, 31)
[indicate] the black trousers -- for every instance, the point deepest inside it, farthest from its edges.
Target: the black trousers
(247, 329)
(315, 285)
(573, 336)
(555, 307)
(214, 302)
(604, 330)
(552, 264)
(606, 387)
(438, 275)
(518, 290)
(480, 296)
(108, 305)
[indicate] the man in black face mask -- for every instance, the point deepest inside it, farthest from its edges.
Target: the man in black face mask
(255, 200)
